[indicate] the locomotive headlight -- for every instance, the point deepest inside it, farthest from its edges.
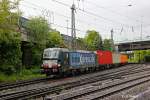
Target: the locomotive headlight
(58, 65)
(45, 65)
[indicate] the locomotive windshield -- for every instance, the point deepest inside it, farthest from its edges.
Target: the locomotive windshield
(50, 54)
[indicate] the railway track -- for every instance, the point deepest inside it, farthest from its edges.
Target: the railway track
(5, 86)
(98, 91)
(57, 88)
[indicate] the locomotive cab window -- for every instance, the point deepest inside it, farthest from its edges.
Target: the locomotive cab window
(51, 54)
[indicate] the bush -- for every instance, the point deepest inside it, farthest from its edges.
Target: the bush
(8, 69)
(24, 74)
(37, 51)
(147, 58)
(10, 52)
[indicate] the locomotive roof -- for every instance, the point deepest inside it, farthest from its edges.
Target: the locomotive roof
(53, 49)
(84, 51)
(65, 49)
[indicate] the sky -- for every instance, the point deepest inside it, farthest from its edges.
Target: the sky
(129, 19)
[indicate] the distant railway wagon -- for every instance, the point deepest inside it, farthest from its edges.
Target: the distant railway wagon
(62, 60)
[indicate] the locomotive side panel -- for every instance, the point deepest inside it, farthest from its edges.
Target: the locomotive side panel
(74, 59)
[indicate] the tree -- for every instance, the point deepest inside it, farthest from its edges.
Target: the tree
(9, 19)
(139, 56)
(107, 44)
(93, 40)
(54, 39)
(10, 40)
(38, 29)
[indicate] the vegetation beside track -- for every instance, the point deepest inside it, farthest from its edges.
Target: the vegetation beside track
(24, 74)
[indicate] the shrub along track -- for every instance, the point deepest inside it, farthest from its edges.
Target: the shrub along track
(67, 84)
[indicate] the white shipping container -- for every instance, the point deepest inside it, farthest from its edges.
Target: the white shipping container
(116, 58)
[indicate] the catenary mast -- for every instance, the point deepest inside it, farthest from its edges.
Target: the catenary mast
(73, 30)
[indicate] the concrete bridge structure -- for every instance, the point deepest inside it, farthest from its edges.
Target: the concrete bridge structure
(138, 45)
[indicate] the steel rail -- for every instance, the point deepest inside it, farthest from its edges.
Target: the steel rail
(4, 86)
(58, 88)
(98, 90)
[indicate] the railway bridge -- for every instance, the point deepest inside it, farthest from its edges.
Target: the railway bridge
(138, 45)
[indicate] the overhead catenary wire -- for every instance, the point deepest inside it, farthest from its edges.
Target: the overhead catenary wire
(96, 15)
(35, 7)
(59, 15)
(53, 23)
(112, 11)
(87, 12)
(115, 12)
(91, 13)
(58, 25)
(47, 10)
(67, 16)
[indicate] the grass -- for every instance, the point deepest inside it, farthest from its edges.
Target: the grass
(25, 74)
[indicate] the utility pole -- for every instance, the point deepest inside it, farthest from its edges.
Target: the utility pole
(141, 29)
(73, 30)
(68, 34)
(112, 43)
(67, 26)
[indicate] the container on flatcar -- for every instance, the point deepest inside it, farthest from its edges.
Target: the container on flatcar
(87, 59)
(74, 60)
(116, 58)
(123, 58)
(82, 59)
(104, 57)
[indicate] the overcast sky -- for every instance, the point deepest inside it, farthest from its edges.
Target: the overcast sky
(99, 15)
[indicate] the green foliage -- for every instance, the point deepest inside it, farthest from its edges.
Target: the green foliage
(107, 44)
(8, 19)
(24, 74)
(147, 58)
(10, 51)
(93, 40)
(38, 29)
(54, 39)
(10, 43)
(37, 51)
(139, 56)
